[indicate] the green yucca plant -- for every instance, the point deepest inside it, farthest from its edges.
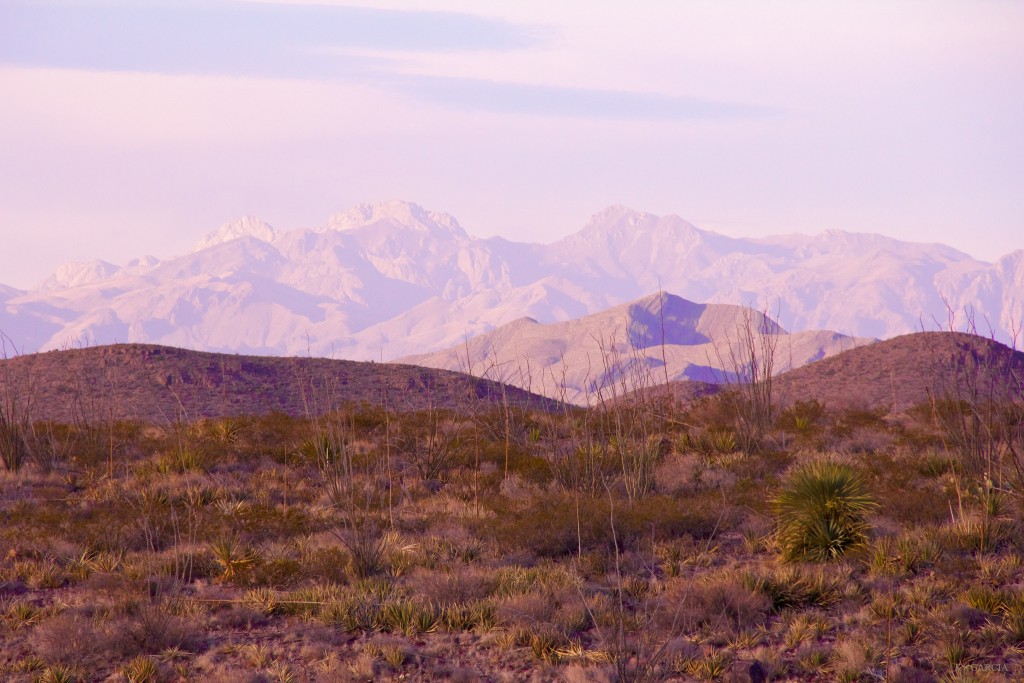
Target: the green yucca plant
(458, 617)
(545, 645)
(713, 667)
(60, 673)
(484, 616)
(1013, 619)
(400, 616)
(141, 670)
(22, 614)
(822, 512)
(426, 618)
(796, 587)
(234, 557)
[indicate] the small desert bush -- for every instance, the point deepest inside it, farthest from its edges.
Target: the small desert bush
(979, 520)
(559, 525)
(586, 468)
(141, 670)
(73, 637)
(708, 442)
(851, 419)
(933, 464)
(799, 587)
(457, 584)
(822, 512)
(1013, 619)
(432, 442)
(235, 558)
(724, 604)
(519, 580)
(60, 673)
(805, 418)
(901, 556)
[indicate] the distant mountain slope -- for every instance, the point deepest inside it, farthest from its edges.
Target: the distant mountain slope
(617, 350)
(162, 384)
(390, 279)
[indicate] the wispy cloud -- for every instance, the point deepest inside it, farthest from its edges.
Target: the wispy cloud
(271, 40)
(546, 100)
(323, 42)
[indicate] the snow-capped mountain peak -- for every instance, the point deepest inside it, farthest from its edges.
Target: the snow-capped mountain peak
(77, 273)
(390, 279)
(622, 224)
(246, 226)
(616, 214)
(399, 214)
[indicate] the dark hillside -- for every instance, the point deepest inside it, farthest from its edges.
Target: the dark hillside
(158, 383)
(896, 373)
(906, 370)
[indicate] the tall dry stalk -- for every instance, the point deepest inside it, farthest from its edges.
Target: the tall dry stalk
(351, 480)
(978, 405)
(749, 361)
(16, 426)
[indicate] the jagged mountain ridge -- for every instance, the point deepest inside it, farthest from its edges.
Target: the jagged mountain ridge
(391, 279)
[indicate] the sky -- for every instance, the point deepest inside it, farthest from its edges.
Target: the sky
(130, 128)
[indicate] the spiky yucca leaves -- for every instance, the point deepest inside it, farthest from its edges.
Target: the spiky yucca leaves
(141, 670)
(60, 673)
(822, 512)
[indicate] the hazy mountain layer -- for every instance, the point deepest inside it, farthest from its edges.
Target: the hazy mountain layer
(392, 279)
(608, 354)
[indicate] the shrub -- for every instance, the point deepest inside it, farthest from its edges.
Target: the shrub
(1013, 619)
(59, 673)
(14, 446)
(235, 558)
(72, 637)
(794, 587)
(554, 526)
(432, 443)
(822, 512)
(802, 417)
(723, 604)
(588, 468)
(154, 628)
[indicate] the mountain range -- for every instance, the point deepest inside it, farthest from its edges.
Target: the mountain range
(392, 279)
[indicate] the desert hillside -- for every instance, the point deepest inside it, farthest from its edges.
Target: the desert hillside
(907, 370)
(160, 384)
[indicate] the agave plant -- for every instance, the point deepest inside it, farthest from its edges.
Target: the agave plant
(822, 512)
(234, 557)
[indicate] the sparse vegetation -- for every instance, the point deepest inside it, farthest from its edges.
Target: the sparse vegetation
(636, 541)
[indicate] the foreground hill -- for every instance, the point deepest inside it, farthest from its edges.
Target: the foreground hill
(896, 374)
(161, 384)
(613, 352)
(908, 370)
(391, 279)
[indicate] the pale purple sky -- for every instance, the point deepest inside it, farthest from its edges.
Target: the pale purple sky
(132, 128)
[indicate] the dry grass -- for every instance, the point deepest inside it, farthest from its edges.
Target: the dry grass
(292, 549)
